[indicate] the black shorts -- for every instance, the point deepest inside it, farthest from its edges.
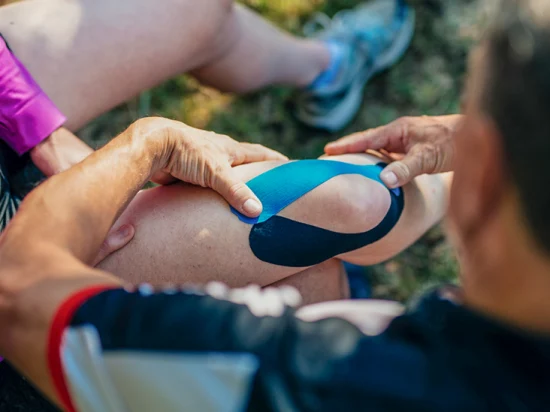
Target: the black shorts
(18, 176)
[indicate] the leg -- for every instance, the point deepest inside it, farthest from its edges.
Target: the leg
(270, 56)
(91, 55)
(321, 283)
(188, 234)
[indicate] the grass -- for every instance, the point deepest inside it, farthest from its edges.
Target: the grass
(427, 81)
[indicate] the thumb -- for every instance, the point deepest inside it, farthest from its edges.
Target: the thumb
(115, 240)
(374, 139)
(237, 193)
(403, 171)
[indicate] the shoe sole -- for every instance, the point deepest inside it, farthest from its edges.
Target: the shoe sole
(351, 103)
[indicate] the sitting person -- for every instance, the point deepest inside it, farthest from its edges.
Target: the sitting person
(91, 342)
(188, 235)
(87, 49)
(345, 203)
(85, 65)
(178, 221)
(333, 198)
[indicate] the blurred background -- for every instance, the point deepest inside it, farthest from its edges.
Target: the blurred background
(428, 81)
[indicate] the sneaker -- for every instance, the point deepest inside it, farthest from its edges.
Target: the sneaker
(370, 38)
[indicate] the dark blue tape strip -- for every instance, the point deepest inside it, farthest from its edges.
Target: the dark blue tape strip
(281, 241)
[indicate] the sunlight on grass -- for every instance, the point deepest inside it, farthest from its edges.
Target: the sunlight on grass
(198, 109)
(285, 8)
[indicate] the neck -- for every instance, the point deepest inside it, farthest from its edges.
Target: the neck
(506, 276)
(526, 306)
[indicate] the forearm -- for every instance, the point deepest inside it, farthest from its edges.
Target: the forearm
(74, 210)
(59, 151)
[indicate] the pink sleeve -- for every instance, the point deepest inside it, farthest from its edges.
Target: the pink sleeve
(27, 115)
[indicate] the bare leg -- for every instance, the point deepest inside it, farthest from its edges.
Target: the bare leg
(91, 55)
(257, 54)
(188, 234)
(321, 283)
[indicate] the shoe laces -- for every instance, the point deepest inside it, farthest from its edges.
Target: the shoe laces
(367, 29)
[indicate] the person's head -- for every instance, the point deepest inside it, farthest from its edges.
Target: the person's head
(500, 207)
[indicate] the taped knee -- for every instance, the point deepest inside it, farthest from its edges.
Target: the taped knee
(286, 242)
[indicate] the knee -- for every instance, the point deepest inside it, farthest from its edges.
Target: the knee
(218, 28)
(219, 10)
(360, 204)
(226, 6)
(344, 204)
(209, 18)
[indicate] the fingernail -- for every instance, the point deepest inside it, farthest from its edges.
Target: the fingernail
(252, 206)
(125, 231)
(389, 178)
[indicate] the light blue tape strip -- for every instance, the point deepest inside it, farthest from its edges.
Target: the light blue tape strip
(283, 185)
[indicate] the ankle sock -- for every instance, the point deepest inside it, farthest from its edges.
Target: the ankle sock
(337, 53)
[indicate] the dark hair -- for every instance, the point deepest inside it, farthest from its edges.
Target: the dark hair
(516, 96)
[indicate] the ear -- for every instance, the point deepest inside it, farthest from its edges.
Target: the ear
(491, 173)
(478, 184)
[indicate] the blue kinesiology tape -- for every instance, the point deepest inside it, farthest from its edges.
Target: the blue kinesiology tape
(286, 242)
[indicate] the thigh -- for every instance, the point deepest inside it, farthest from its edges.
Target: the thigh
(91, 55)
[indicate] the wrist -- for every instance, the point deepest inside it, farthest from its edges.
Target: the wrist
(150, 140)
(59, 151)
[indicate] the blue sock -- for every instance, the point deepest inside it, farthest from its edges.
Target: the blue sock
(359, 284)
(337, 52)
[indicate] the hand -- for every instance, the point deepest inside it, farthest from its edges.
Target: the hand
(427, 144)
(59, 152)
(206, 159)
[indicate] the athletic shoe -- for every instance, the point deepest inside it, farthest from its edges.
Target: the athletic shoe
(367, 40)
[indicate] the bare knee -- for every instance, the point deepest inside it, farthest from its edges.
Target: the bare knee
(345, 204)
(226, 5)
(217, 8)
(361, 204)
(217, 19)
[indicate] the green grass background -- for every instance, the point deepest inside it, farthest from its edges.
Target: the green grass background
(428, 81)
